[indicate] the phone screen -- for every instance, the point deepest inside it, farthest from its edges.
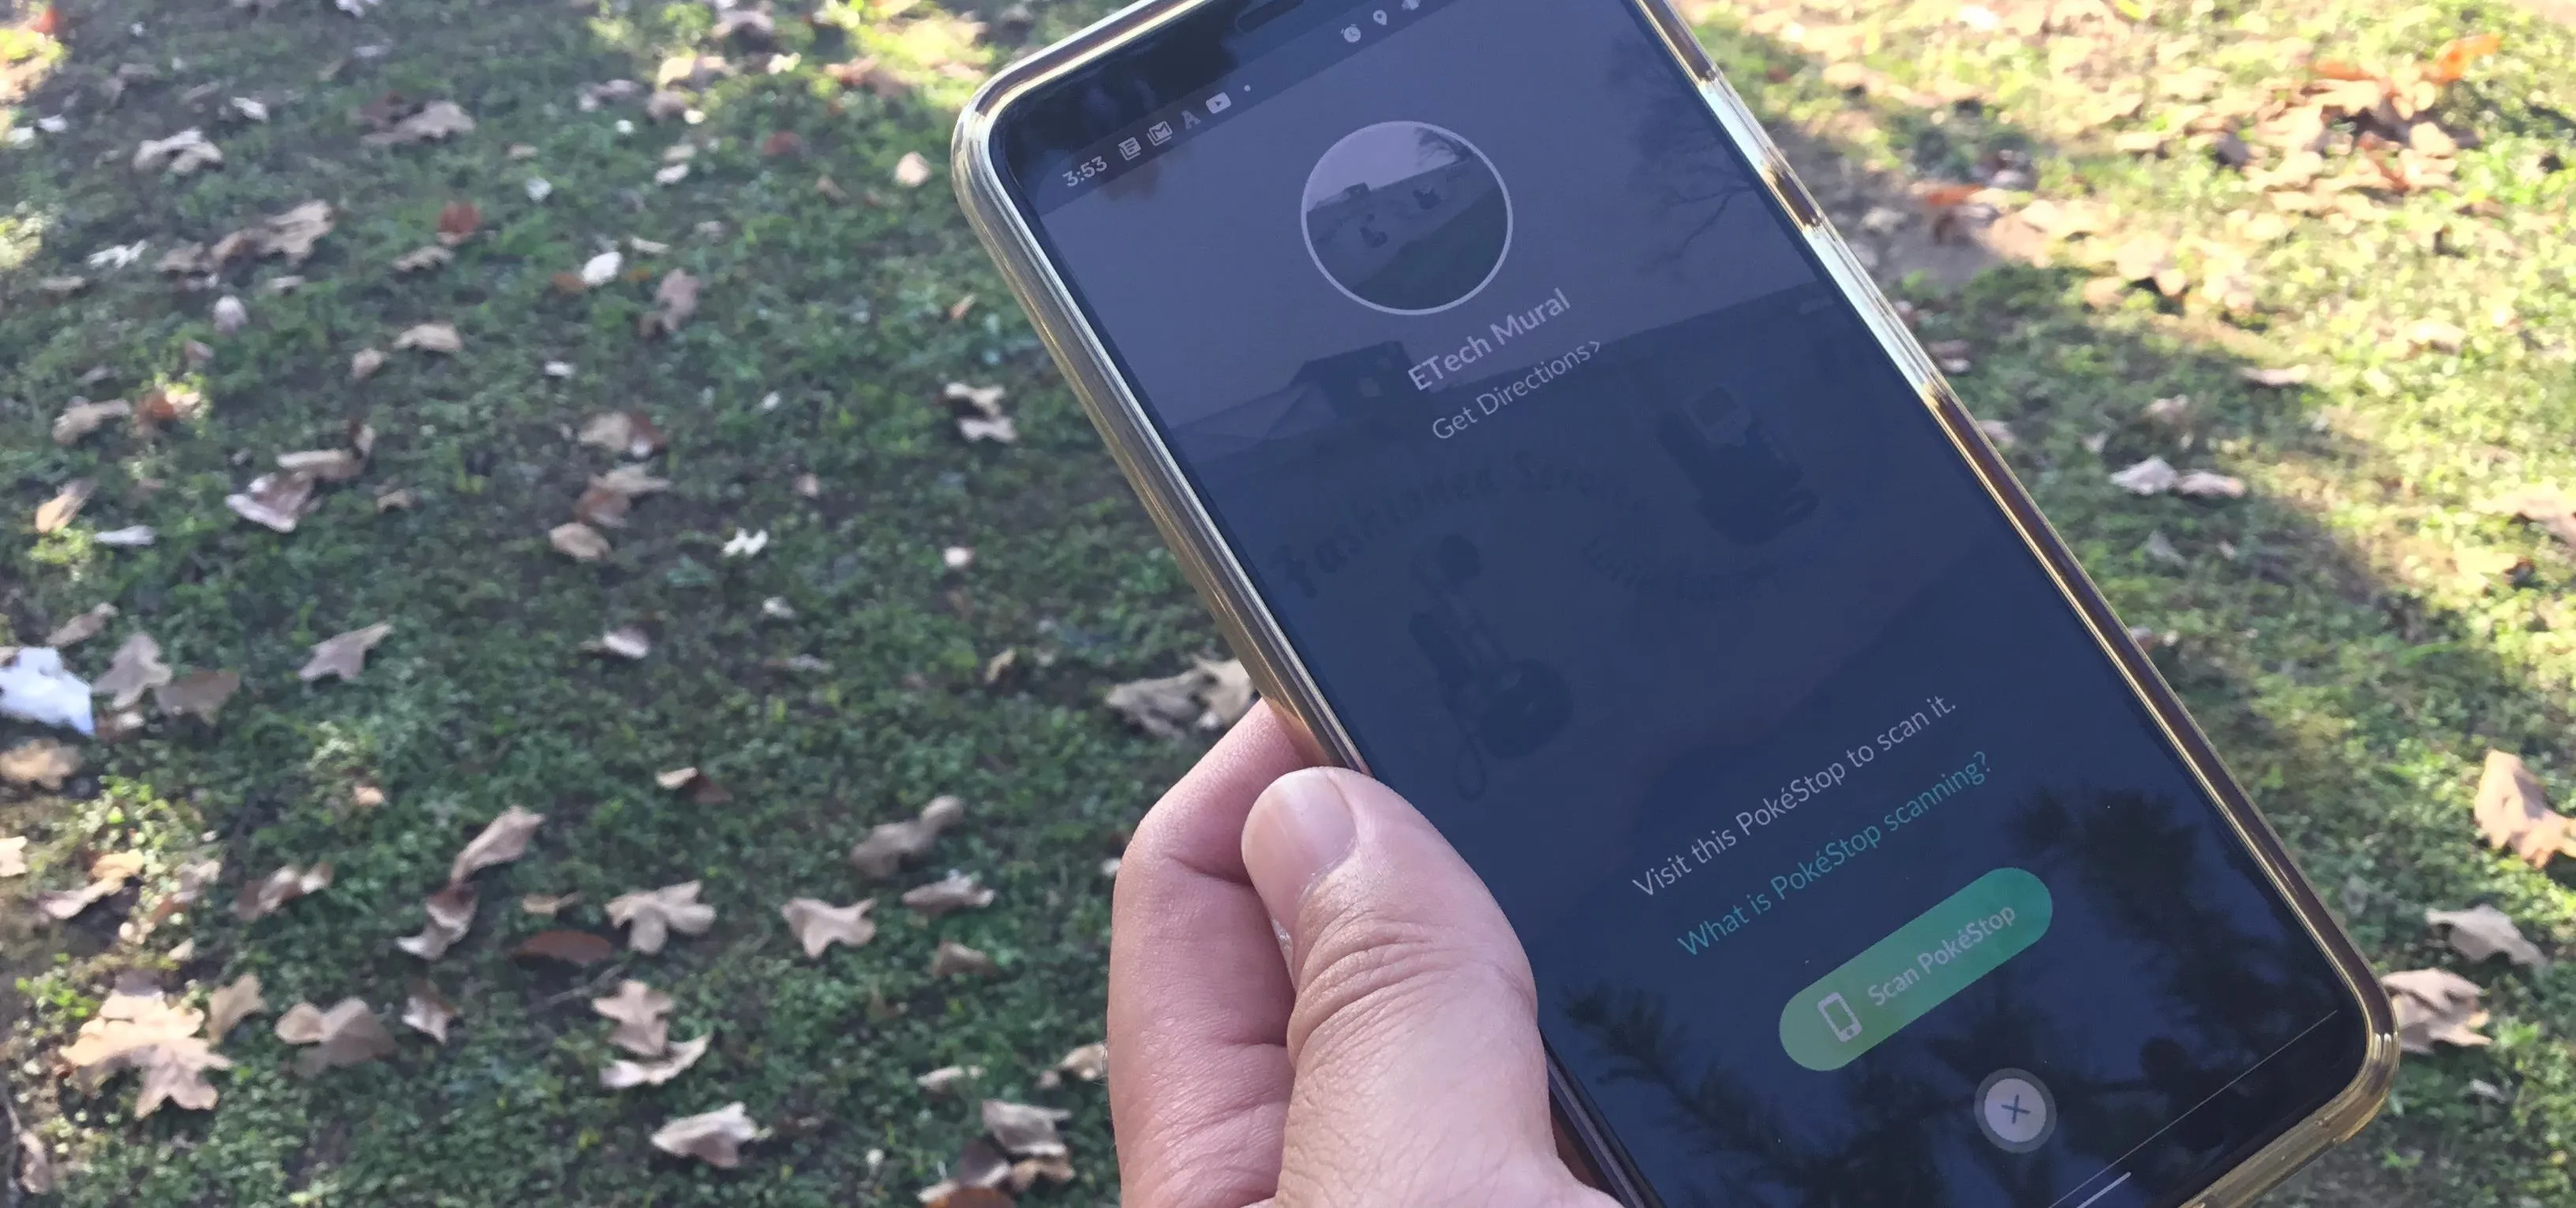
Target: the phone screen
(1851, 869)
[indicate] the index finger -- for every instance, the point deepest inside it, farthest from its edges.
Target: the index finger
(1198, 993)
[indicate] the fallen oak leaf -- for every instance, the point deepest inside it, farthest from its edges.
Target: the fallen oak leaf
(270, 894)
(912, 171)
(136, 669)
(278, 501)
(700, 788)
(1025, 1130)
(954, 959)
(2205, 484)
(1089, 1063)
(714, 1137)
(422, 259)
(504, 839)
(343, 655)
(1211, 695)
(674, 301)
(53, 514)
(609, 495)
(546, 905)
(625, 642)
(450, 915)
(2436, 1006)
(39, 761)
(622, 1074)
(347, 1034)
(818, 924)
(83, 627)
(179, 154)
(1026, 1172)
(946, 1079)
(13, 856)
(974, 1179)
(889, 844)
(80, 419)
(2154, 476)
(2548, 507)
(145, 1032)
(198, 693)
(652, 915)
(957, 891)
(431, 337)
(365, 363)
(2512, 810)
(638, 1010)
(436, 121)
(578, 541)
(231, 1004)
(2484, 931)
(428, 1012)
(457, 221)
(107, 875)
(577, 948)
(625, 433)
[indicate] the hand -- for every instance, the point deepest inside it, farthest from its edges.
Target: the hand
(1392, 1059)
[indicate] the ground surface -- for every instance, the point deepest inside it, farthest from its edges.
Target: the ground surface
(2356, 632)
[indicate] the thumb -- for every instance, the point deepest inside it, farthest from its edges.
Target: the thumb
(1419, 1076)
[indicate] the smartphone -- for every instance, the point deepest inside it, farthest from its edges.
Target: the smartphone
(1545, 454)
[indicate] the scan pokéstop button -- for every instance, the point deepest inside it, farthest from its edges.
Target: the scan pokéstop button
(1917, 967)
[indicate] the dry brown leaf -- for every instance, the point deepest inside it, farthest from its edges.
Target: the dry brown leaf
(946, 1079)
(145, 1032)
(1090, 1063)
(428, 1012)
(2548, 507)
(13, 856)
(546, 905)
(457, 221)
(954, 959)
(818, 925)
(277, 501)
(2512, 810)
(179, 154)
(2436, 1006)
(1027, 1172)
(200, 693)
(450, 914)
(650, 916)
(2484, 931)
(578, 541)
(579, 948)
(697, 786)
(1211, 696)
(2206, 484)
(2154, 476)
(136, 669)
(890, 844)
(81, 628)
(230, 1005)
(2276, 379)
(623, 1074)
(503, 840)
(957, 891)
(39, 761)
(343, 655)
(267, 896)
(625, 433)
(431, 337)
(401, 499)
(625, 642)
(674, 301)
(365, 364)
(912, 171)
(436, 120)
(2452, 62)
(1025, 1130)
(715, 1137)
(347, 1034)
(80, 419)
(638, 1010)
(58, 511)
(422, 259)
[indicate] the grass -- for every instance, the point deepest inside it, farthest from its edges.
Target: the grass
(2333, 629)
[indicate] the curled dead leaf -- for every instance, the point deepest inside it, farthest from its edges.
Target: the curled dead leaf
(625, 642)
(652, 915)
(818, 924)
(365, 363)
(146, 1033)
(13, 856)
(198, 693)
(2512, 811)
(431, 337)
(625, 433)
(674, 301)
(457, 221)
(504, 839)
(39, 761)
(450, 915)
(912, 171)
(946, 1079)
(277, 501)
(1025, 1130)
(578, 541)
(2436, 1006)
(957, 891)
(80, 419)
(622, 1074)
(436, 121)
(2484, 931)
(1211, 696)
(53, 514)
(714, 1137)
(889, 844)
(954, 959)
(428, 1012)
(270, 894)
(422, 259)
(347, 1034)
(81, 628)
(343, 655)
(638, 1011)
(231, 1004)
(1089, 1063)
(136, 669)
(2154, 476)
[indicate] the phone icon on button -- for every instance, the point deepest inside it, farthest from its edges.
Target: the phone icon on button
(1839, 1016)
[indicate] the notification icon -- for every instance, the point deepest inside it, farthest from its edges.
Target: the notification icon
(1350, 33)
(1130, 148)
(1159, 133)
(1219, 103)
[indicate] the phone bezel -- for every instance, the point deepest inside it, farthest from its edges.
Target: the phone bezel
(1281, 675)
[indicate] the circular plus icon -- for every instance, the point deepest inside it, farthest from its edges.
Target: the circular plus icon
(2015, 1110)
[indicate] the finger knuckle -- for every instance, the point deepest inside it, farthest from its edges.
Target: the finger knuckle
(1370, 966)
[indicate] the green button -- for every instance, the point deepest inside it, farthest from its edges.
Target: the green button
(1901, 978)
